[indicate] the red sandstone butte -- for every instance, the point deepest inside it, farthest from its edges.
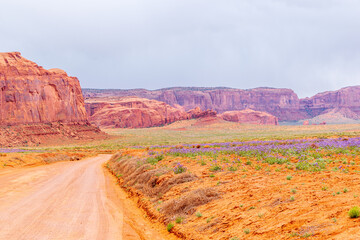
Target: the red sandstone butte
(282, 103)
(132, 112)
(198, 113)
(40, 106)
(345, 101)
(135, 112)
(249, 116)
(31, 94)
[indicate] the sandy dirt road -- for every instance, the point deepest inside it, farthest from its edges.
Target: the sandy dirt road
(67, 200)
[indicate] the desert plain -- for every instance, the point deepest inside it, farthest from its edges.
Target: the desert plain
(178, 163)
(193, 179)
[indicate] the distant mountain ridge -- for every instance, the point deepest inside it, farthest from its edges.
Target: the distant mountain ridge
(280, 102)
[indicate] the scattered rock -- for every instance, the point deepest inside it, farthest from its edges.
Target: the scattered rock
(249, 116)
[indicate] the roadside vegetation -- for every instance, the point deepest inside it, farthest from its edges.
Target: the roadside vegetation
(234, 181)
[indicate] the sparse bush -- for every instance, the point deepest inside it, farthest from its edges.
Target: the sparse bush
(215, 168)
(233, 169)
(202, 163)
(354, 212)
(159, 157)
(199, 214)
(152, 161)
(169, 227)
(179, 220)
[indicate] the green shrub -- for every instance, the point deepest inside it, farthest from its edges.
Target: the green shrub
(169, 227)
(152, 161)
(179, 220)
(215, 168)
(354, 212)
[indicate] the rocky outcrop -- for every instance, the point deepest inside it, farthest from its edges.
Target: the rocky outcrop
(132, 112)
(39, 105)
(31, 94)
(249, 116)
(198, 113)
(335, 116)
(282, 103)
(48, 133)
(346, 101)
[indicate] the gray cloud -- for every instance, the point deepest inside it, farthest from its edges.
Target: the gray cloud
(306, 45)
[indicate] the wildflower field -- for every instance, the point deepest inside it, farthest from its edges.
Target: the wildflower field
(291, 188)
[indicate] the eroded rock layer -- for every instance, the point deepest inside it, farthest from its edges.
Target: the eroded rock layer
(282, 103)
(47, 133)
(132, 112)
(40, 106)
(345, 100)
(249, 116)
(31, 94)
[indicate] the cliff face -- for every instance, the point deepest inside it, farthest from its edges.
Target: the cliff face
(282, 103)
(249, 116)
(31, 94)
(347, 99)
(39, 106)
(132, 112)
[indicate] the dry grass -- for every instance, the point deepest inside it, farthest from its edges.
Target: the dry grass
(187, 204)
(152, 182)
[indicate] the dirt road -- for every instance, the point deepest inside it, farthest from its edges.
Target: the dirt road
(67, 200)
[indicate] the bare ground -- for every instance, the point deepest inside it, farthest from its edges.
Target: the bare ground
(69, 200)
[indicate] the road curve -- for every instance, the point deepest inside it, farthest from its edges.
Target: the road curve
(65, 200)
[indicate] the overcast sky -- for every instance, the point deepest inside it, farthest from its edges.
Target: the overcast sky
(306, 45)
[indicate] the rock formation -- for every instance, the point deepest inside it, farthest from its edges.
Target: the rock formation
(48, 99)
(135, 112)
(31, 94)
(335, 116)
(249, 116)
(346, 101)
(198, 113)
(132, 112)
(283, 103)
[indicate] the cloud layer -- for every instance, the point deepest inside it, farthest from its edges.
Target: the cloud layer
(309, 46)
